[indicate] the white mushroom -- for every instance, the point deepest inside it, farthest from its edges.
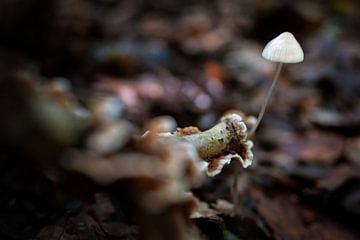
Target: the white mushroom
(282, 49)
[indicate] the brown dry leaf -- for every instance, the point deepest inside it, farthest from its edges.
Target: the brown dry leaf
(170, 166)
(55, 232)
(80, 227)
(329, 231)
(289, 220)
(161, 124)
(321, 147)
(120, 230)
(315, 147)
(180, 166)
(337, 177)
(224, 207)
(111, 137)
(352, 150)
(279, 215)
(203, 210)
(102, 208)
(86, 227)
(108, 170)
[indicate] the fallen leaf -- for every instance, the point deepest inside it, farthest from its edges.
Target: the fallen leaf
(352, 150)
(338, 177)
(321, 147)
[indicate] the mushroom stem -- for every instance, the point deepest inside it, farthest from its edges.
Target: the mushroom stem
(263, 107)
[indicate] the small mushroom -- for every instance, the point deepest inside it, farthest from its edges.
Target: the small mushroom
(282, 49)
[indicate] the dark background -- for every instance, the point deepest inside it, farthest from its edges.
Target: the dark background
(192, 60)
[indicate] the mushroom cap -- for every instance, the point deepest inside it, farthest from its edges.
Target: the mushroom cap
(284, 48)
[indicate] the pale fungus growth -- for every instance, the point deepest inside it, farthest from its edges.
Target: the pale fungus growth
(220, 144)
(282, 49)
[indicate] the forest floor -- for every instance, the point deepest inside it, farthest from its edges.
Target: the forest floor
(81, 81)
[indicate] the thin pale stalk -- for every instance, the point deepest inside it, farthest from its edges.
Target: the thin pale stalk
(263, 107)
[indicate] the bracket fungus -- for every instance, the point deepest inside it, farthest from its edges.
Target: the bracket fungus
(220, 144)
(282, 49)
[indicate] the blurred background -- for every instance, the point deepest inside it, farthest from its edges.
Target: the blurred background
(89, 74)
